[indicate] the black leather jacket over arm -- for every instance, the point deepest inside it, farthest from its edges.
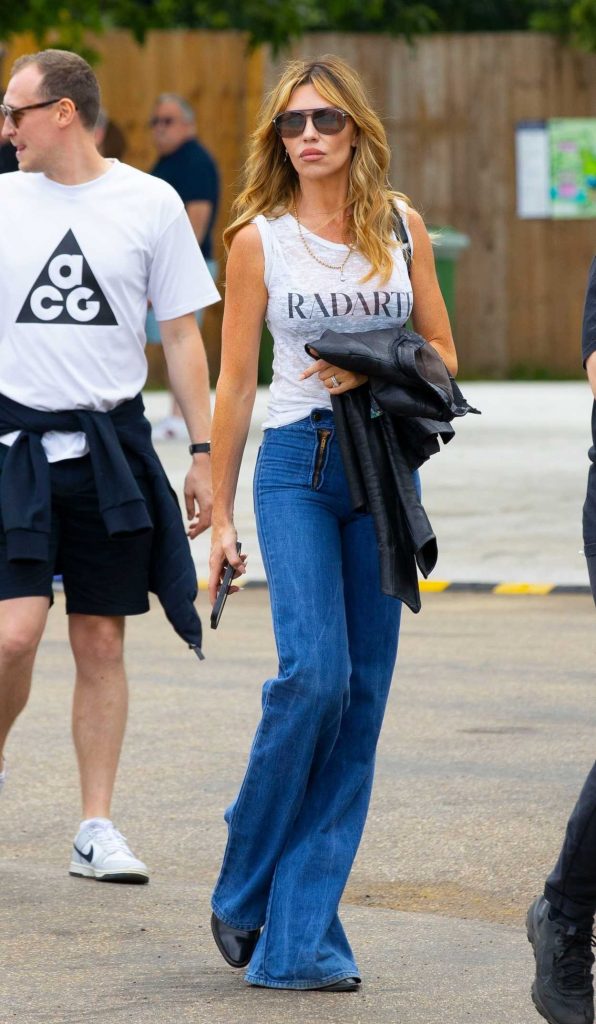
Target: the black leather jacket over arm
(387, 428)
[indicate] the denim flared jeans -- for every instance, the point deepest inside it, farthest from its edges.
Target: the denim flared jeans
(296, 823)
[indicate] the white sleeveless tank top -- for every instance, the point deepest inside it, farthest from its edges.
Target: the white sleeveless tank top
(306, 298)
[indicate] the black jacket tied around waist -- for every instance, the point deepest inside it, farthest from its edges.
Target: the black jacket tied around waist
(386, 429)
(25, 497)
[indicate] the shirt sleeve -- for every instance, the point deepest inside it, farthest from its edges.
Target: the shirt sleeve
(179, 281)
(200, 182)
(589, 324)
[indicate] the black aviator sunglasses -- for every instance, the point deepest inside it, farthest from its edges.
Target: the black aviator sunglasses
(326, 120)
(16, 114)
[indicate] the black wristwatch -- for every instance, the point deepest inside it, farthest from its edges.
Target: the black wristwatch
(203, 448)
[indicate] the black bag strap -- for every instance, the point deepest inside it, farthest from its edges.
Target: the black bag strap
(402, 236)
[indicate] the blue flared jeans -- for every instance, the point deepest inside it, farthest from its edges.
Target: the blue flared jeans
(296, 823)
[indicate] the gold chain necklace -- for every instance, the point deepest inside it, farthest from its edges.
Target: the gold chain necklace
(330, 266)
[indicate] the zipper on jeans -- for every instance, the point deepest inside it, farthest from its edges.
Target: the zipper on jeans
(323, 436)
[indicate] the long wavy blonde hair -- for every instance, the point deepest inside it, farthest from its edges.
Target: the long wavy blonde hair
(271, 183)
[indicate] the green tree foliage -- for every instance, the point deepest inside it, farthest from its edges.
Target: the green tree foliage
(64, 24)
(573, 19)
(279, 21)
(405, 17)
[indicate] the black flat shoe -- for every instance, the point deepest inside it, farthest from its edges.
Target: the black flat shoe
(235, 946)
(344, 985)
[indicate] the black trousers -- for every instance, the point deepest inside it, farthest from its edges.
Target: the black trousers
(571, 886)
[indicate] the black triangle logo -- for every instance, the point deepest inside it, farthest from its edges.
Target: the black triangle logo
(67, 292)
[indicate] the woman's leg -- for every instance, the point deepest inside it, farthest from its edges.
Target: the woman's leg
(303, 943)
(302, 708)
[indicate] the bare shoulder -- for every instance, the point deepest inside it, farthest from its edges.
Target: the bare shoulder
(422, 245)
(247, 244)
(415, 222)
(245, 269)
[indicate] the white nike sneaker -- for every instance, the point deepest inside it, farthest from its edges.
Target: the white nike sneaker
(172, 428)
(100, 851)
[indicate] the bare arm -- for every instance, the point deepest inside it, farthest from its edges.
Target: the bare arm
(430, 316)
(199, 214)
(591, 371)
(189, 379)
(246, 302)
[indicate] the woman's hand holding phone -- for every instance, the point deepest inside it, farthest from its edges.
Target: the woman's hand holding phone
(226, 564)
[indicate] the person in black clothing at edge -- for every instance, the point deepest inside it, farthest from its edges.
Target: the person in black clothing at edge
(191, 170)
(560, 922)
(86, 241)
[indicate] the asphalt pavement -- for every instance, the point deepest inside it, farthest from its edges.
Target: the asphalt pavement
(488, 736)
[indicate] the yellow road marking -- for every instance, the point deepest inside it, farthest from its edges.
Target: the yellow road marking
(433, 586)
(523, 588)
(204, 584)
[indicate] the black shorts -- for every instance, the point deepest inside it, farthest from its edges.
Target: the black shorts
(101, 575)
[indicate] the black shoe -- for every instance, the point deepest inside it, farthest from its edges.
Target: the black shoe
(235, 946)
(562, 990)
(344, 985)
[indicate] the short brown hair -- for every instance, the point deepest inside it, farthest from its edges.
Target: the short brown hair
(65, 74)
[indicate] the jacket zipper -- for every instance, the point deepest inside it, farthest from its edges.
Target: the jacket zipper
(323, 436)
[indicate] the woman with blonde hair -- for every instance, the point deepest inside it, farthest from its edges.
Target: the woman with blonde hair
(312, 246)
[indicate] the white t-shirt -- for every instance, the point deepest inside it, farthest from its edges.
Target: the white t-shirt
(77, 265)
(307, 298)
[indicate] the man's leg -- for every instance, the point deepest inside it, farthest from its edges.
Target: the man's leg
(22, 622)
(100, 706)
(105, 579)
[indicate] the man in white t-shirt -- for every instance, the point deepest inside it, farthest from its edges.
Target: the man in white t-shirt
(86, 242)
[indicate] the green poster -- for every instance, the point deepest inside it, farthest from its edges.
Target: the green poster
(572, 142)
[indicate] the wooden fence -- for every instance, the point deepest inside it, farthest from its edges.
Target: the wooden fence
(224, 83)
(450, 104)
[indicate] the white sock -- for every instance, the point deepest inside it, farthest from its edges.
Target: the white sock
(94, 821)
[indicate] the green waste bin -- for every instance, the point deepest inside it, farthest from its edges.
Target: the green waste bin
(447, 244)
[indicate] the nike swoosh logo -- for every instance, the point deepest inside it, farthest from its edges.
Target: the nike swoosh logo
(86, 856)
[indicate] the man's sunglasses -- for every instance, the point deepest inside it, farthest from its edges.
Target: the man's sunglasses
(326, 120)
(16, 114)
(154, 122)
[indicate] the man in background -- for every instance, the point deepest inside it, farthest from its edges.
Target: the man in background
(109, 138)
(187, 166)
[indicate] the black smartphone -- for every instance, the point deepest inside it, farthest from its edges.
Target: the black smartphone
(223, 591)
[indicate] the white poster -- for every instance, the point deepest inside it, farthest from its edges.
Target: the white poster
(532, 161)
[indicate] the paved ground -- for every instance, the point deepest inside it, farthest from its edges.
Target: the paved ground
(491, 719)
(489, 733)
(504, 497)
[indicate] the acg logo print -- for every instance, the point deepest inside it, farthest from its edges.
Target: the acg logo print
(66, 291)
(47, 300)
